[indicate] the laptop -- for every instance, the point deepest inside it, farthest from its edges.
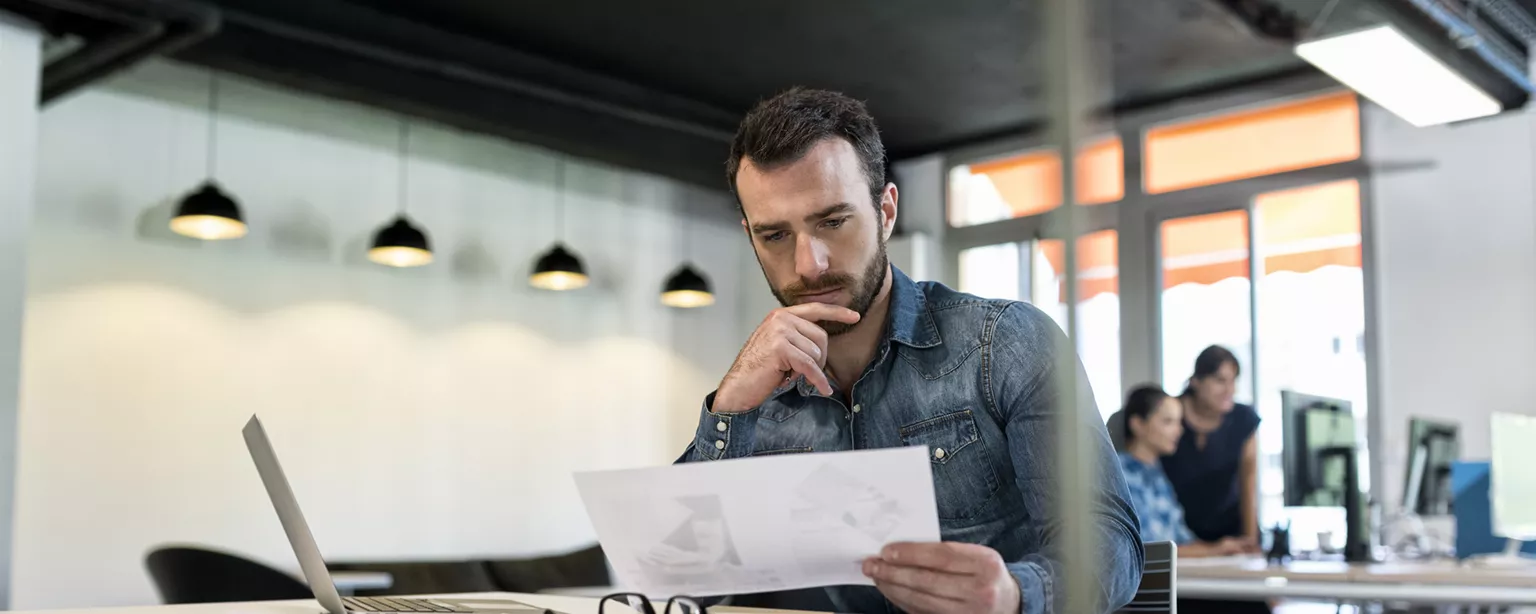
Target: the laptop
(313, 564)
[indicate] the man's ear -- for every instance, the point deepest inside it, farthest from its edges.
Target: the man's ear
(888, 208)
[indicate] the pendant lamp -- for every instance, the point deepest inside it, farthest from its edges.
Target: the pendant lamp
(559, 268)
(208, 213)
(401, 243)
(687, 288)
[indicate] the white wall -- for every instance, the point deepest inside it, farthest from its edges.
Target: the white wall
(1454, 231)
(432, 413)
(20, 48)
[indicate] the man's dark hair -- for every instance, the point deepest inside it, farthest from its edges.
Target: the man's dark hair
(783, 129)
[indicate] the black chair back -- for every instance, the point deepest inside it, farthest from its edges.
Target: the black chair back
(184, 574)
(1158, 592)
(585, 567)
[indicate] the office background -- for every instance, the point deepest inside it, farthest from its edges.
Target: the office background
(394, 393)
(424, 413)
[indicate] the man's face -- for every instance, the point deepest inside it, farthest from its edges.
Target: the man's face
(816, 231)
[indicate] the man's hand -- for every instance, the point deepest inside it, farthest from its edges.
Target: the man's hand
(944, 578)
(787, 342)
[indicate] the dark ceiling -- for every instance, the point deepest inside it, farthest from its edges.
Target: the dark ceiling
(659, 85)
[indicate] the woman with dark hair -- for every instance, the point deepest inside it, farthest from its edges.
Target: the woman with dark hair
(1153, 427)
(1214, 469)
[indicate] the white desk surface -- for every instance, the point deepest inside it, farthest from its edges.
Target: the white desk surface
(563, 604)
(1423, 582)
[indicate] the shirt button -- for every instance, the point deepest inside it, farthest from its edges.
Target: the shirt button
(719, 444)
(938, 453)
(720, 426)
(858, 408)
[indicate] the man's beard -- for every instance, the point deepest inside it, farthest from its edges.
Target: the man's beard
(863, 289)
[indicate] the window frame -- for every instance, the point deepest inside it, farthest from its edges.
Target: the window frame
(1136, 217)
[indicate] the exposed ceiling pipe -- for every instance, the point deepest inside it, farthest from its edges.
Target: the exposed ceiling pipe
(1469, 38)
(1265, 18)
(134, 30)
(1510, 17)
(470, 74)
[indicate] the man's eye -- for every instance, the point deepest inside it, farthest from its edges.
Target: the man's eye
(774, 237)
(835, 223)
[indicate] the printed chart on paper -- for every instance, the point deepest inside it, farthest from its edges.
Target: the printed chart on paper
(761, 524)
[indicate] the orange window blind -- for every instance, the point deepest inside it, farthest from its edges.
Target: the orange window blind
(1030, 183)
(1297, 230)
(1285, 137)
(1205, 249)
(1098, 257)
(1303, 229)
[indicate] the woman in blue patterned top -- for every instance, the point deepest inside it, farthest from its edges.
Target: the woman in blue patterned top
(1153, 425)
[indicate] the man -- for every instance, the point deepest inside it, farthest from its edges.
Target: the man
(860, 356)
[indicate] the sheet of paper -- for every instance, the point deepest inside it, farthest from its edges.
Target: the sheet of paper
(760, 524)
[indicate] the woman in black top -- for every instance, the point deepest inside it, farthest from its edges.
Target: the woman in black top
(1215, 469)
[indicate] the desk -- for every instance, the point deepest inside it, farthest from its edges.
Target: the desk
(566, 605)
(1429, 582)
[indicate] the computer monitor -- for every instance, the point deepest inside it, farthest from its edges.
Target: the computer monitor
(1319, 437)
(1512, 481)
(1321, 460)
(1432, 448)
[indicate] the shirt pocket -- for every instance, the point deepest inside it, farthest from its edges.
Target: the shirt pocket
(964, 479)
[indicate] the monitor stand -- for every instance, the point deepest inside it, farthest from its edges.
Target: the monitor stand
(1357, 543)
(1357, 546)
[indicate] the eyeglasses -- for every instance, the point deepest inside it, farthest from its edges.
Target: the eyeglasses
(640, 603)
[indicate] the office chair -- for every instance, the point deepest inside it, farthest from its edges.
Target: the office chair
(1158, 592)
(1115, 423)
(185, 574)
(584, 567)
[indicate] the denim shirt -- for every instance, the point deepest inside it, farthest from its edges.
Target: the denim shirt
(974, 378)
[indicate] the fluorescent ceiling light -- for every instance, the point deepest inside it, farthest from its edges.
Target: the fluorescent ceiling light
(1383, 65)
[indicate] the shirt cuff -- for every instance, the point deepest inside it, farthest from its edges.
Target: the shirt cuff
(1035, 588)
(724, 435)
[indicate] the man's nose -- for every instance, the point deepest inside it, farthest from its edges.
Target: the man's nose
(810, 257)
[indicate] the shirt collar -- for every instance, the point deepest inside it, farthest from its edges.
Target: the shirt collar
(910, 322)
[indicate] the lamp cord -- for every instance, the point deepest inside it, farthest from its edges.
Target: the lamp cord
(404, 174)
(560, 199)
(689, 231)
(213, 124)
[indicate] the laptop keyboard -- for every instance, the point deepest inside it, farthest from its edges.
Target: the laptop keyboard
(395, 604)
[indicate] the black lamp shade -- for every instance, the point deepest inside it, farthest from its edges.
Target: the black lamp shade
(687, 288)
(401, 244)
(208, 214)
(558, 269)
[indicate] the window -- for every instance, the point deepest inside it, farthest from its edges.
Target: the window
(1308, 319)
(1277, 279)
(1286, 137)
(1311, 312)
(993, 271)
(1205, 296)
(1098, 306)
(1030, 184)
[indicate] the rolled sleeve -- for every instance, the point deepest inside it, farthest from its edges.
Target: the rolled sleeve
(1035, 587)
(1025, 346)
(721, 436)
